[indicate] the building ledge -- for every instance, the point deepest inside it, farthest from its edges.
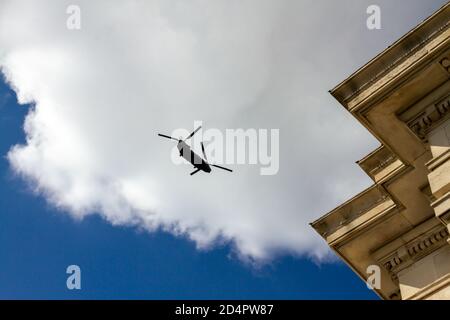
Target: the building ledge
(392, 56)
(381, 165)
(350, 210)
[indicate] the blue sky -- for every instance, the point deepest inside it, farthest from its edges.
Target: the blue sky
(37, 243)
(101, 87)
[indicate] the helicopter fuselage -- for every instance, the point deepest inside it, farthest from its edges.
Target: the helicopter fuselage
(199, 163)
(193, 158)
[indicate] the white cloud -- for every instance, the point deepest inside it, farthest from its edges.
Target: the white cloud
(141, 67)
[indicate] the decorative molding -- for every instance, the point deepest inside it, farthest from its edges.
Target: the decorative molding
(377, 160)
(348, 212)
(427, 120)
(393, 56)
(383, 163)
(445, 218)
(442, 208)
(445, 63)
(356, 207)
(414, 250)
(436, 162)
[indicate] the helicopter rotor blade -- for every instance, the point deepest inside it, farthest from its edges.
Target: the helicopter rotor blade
(204, 153)
(194, 132)
(168, 137)
(223, 168)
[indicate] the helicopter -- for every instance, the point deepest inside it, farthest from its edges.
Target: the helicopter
(186, 152)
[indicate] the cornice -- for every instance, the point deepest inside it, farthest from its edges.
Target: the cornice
(376, 161)
(393, 56)
(374, 227)
(350, 210)
(429, 118)
(412, 251)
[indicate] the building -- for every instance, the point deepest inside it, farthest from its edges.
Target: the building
(401, 223)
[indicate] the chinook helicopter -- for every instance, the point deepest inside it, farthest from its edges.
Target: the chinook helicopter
(199, 163)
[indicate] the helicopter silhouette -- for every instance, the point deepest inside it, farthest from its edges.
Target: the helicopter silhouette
(186, 152)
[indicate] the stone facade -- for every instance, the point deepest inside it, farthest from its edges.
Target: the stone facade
(401, 223)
